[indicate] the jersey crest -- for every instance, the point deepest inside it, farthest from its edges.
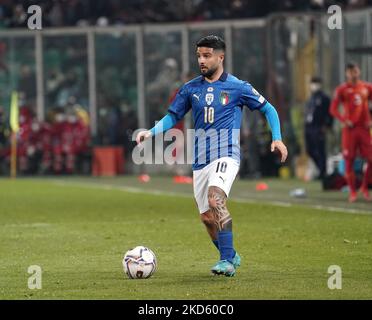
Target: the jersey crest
(224, 98)
(209, 97)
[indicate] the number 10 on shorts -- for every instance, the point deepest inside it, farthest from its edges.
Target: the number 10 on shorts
(221, 166)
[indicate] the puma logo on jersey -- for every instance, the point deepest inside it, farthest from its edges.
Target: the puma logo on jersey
(223, 180)
(197, 96)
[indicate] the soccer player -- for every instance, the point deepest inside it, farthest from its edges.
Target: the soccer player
(356, 120)
(216, 99)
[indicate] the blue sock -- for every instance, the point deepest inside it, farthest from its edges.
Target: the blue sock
(215, 242)
(225, 244)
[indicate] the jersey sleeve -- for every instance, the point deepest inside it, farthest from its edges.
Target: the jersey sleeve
(273, 119)
(250, 97)
(180, 104)
(337, 99)
(369, 86)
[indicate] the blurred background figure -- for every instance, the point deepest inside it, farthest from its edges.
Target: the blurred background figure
(159, 90)
(182, 172)
(3, 50)
(354, 95)
(317, 120)
(70, 138)
(45, 147)
(25, 145)
(4, 138)
(58, 127)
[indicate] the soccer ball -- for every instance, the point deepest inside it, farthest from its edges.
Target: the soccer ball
(139, 263)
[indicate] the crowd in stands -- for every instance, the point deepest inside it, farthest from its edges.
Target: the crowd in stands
(57, 13)
(60, 145)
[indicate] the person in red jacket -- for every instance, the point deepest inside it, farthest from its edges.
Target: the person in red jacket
(356, 120)
(45, 147)
(81, 135)
(76, 140)
(24, 147)
(57, 131)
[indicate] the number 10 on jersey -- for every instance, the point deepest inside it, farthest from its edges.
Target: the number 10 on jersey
(208, 114)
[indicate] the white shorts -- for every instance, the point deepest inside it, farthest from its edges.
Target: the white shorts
(220, 173)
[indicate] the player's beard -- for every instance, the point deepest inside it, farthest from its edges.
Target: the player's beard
(209, 73)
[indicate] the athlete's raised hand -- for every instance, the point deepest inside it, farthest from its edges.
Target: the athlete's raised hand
(280, 146)
(142, 136)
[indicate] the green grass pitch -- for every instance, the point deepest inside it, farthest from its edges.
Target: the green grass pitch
(77, 230)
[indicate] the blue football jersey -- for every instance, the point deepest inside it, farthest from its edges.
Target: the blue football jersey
(217, 112)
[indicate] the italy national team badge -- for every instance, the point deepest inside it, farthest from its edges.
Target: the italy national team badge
(224, 98)
(209, 97)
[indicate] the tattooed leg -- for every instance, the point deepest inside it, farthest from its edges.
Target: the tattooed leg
(217, 203)
(208, 220)
(223, 223)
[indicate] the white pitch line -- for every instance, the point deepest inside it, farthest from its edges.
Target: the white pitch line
(187, 195)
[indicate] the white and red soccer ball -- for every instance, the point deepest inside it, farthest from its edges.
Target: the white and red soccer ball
(139, 263)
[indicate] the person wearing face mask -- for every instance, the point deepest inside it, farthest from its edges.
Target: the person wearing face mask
(317, 120)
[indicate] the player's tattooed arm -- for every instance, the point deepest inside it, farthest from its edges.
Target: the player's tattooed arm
(217, 203)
